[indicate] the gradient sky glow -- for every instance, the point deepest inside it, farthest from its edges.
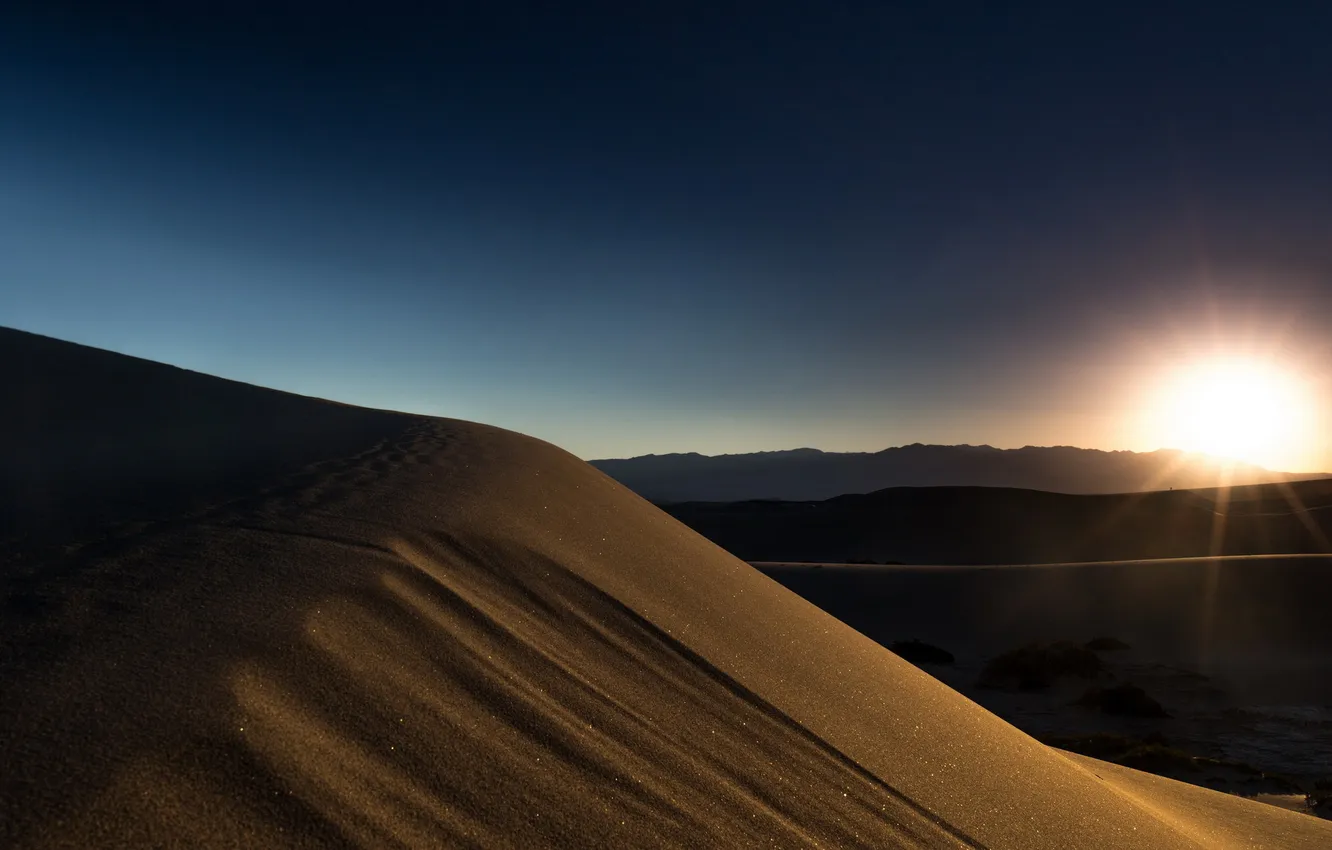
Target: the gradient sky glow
(651, 228)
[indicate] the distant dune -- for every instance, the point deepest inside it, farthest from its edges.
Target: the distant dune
(809, 474)
(989, 525)
(312, 626)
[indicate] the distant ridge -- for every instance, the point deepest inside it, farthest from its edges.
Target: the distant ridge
(811, 474)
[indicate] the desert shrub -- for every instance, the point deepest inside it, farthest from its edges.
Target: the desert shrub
(1320, 799)
(918, 652)
(1038, 665)
(1124, 700)
(1105, 644)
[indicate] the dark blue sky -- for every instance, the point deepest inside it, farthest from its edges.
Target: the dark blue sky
(678, 226)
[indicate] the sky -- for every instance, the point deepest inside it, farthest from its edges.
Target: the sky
(631, 228)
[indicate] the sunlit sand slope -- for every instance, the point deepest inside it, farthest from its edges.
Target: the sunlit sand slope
(459, 636)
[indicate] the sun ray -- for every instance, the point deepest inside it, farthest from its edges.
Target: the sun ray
(1125, 509)
(1220, 512)
(1301, 513)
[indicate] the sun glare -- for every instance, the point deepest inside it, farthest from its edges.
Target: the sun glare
(1248, 410)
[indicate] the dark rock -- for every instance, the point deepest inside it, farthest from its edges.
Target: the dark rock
(1123, 700)
(1038, 665)
(1106, 644)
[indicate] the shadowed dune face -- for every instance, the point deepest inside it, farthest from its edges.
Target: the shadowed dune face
(464, 637)
(91, 438)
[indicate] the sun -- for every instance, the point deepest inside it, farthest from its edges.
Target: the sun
(1250, 410)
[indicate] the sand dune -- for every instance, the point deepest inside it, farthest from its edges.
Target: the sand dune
(444, 634)
(90, 438)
